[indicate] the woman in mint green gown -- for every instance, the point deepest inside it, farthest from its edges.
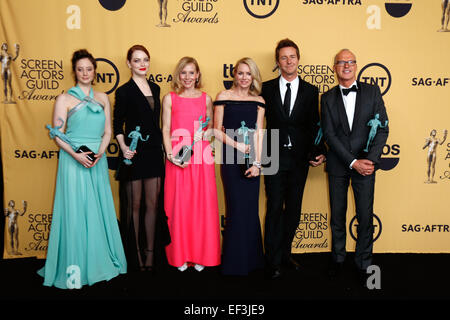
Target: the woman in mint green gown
(85, 246)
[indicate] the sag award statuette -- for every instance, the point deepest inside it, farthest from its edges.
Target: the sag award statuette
(186, 152)
(135, 136)
(243, 130)
(374, 124)
(54, 132)
(13, 214)
(6, 60)
(432, 143)
(316, 151)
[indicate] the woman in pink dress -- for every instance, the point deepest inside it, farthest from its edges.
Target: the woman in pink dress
(190, 194)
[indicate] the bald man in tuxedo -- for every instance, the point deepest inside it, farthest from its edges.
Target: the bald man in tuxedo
(346, 110)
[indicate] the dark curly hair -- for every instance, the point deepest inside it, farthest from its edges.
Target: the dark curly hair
(81, 54)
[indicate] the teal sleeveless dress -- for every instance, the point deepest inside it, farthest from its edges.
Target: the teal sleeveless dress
(85, 246)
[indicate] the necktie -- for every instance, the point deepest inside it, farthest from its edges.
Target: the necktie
(346, 91)
(286, 107)
(287, 99)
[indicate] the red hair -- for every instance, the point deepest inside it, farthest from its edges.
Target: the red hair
(134, 48)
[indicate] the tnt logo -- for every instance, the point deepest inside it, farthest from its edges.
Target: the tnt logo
(353, 227)
(376, 74)
(261, 9)
(107, 75)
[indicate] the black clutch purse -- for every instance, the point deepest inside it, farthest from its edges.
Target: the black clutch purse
(91, 153)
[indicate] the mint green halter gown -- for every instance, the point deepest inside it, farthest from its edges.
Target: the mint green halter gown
(85, 246)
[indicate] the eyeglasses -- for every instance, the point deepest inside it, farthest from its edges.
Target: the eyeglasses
(342, 63)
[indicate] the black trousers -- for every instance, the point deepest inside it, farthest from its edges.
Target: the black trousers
(284, 193)
(363, 191)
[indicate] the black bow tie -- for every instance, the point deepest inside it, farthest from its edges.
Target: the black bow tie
(346, 91)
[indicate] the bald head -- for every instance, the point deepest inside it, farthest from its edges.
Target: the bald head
(345, 67)
(336, 57)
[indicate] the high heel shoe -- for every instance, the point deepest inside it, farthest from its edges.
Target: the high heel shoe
(140, 266)
(183, 267)
(199, 267)
(148, 265)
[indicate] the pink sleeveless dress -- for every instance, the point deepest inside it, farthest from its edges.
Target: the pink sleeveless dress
(190, 194)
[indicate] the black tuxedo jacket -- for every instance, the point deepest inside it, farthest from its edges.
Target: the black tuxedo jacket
(345, 145)
(301, 124)
(132, 109)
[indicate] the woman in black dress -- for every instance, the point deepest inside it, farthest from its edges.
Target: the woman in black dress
(137, 103)
(238, 123)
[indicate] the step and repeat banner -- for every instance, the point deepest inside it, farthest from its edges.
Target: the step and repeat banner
(403, 46)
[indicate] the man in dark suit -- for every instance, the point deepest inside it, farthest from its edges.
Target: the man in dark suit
(347, 110)
(292, 112)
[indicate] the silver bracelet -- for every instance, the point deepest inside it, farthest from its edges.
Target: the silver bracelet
(257, 164)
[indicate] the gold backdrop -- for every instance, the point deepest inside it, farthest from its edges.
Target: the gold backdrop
(398, 45)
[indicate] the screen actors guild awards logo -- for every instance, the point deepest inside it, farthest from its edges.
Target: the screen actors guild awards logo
(13, 227)
(432, 143)
(197, 11)
(6, 59)
(312, 231)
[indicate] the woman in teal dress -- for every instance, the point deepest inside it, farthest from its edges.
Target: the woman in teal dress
(85, 246)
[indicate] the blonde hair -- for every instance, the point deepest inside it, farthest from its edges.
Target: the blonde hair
(176, 83)
(256, 86)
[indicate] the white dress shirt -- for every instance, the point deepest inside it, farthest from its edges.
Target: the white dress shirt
(349, 104)
(294, 91)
